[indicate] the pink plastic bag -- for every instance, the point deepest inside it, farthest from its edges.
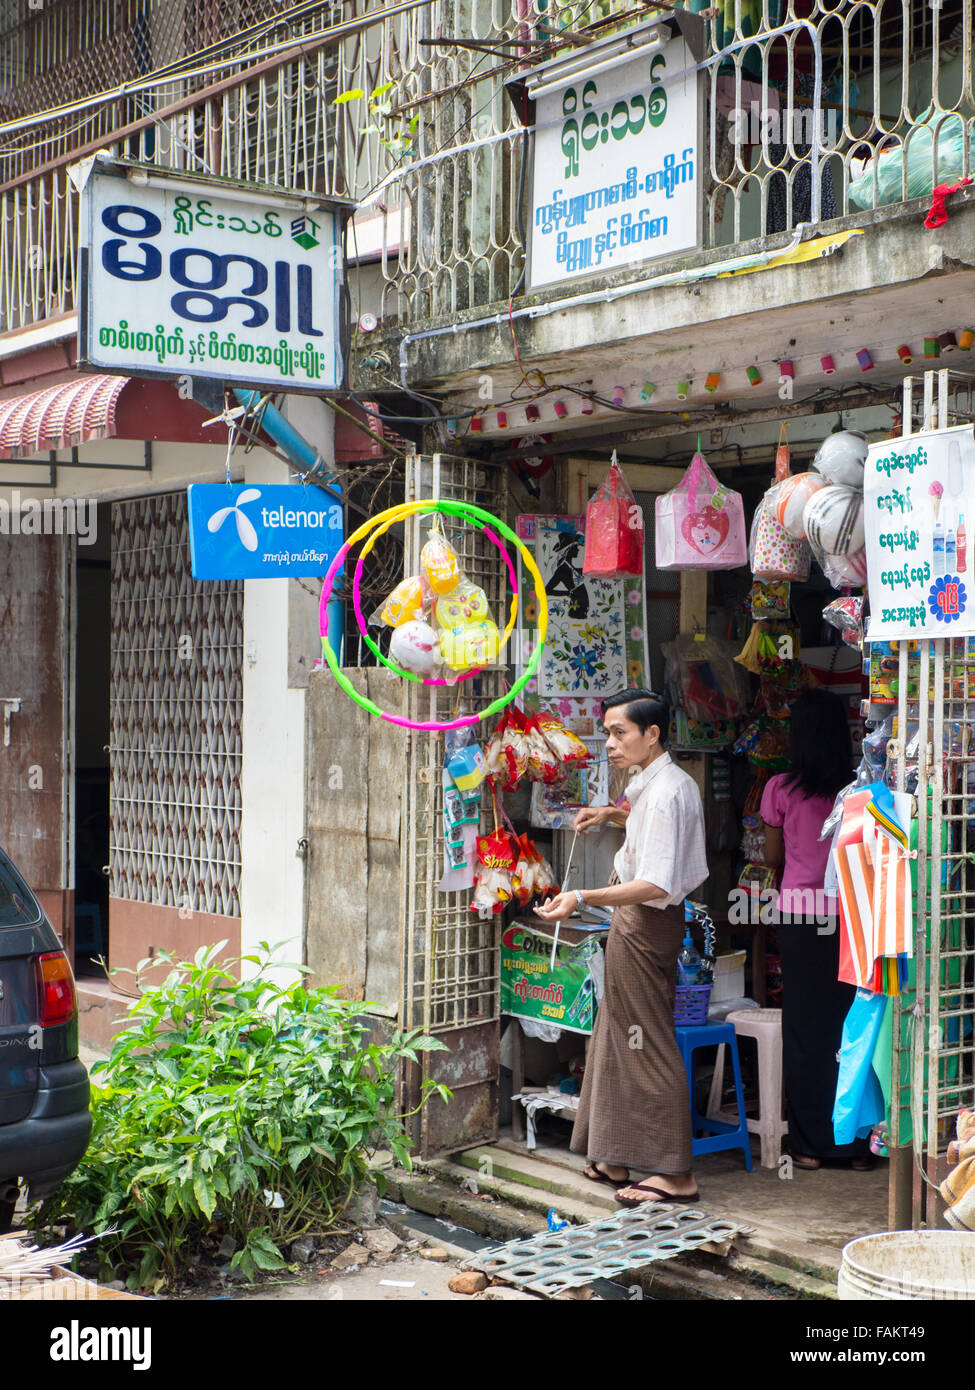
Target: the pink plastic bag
(700, 523)
(614, 529)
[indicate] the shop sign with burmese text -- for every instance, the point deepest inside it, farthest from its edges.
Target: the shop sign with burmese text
(531, 988)
(918, 521)
(262, 531)
(617, 170)
(188, 278)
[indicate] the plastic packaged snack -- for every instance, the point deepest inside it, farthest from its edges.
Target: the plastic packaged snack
(439, 564)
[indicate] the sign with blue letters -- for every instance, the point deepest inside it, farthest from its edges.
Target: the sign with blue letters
(189, 277)
(262, 531)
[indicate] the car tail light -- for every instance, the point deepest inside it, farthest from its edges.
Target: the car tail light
(56, 999)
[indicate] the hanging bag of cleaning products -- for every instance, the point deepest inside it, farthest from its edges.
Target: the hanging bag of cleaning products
(614, 529)
(700, 525)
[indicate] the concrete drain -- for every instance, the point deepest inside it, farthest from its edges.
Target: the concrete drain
(548, 1263)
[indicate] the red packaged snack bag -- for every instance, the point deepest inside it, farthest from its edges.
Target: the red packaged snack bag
(614, 529)
(570, 750)
(497, 860)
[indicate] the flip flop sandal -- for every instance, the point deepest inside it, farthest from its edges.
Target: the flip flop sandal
(595, 1175)
(658, 1194)
(807, 1162)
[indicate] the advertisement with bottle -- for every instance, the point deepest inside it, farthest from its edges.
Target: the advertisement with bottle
(917, 507)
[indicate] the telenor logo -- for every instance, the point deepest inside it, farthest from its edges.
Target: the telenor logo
(245, 527)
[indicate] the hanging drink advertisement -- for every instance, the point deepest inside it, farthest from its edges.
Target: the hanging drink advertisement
(531, 987)
(918, 535)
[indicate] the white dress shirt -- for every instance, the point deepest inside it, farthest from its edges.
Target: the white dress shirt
(664, 842)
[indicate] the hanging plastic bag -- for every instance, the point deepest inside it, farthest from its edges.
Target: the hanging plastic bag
(507, 752)
(494, 880)
(702, 670)
(859, 1103)
(782, 455)
(614, 529)
(898, 179)
(700, 524)
(772, 552)
(570, 750)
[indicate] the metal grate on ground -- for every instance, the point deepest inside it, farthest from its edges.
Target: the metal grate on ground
(554, 1261)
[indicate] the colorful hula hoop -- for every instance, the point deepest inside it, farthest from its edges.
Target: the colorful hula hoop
(391, 665)
(464, 511)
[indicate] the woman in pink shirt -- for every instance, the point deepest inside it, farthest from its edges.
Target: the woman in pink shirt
(814, 1001)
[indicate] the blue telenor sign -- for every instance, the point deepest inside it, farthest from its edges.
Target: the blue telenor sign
(262, 531)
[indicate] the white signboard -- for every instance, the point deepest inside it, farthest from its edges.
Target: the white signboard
(919, 535)
(195, 278)
(617, 175)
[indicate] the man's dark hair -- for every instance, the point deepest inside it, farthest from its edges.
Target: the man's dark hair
(644, 707)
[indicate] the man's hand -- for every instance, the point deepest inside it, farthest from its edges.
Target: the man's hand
(558, 908)
(594, 817)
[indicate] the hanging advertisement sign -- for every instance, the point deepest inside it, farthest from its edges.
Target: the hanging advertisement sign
(264, 532)
(919, 561)
(531, 988)
(186, 276)
(617, 173)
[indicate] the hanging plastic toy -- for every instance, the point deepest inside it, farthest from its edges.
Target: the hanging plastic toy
(469, 636)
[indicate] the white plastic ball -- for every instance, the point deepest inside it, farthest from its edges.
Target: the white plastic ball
(791, 499)
(416, 647)
(841, 457)
(847, 571)
(833, 521)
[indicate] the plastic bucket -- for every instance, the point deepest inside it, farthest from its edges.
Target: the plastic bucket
(908, 1265)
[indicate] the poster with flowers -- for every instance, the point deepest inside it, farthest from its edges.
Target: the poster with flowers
(596, 643)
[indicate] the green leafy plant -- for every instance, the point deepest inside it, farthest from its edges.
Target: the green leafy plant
(399, 140)
(246, 1109)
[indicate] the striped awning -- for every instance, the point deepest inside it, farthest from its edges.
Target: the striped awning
(60, 417)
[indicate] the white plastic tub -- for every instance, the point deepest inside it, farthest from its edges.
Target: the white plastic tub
(899, 1265)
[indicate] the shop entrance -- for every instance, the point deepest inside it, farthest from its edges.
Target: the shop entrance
(90, 825)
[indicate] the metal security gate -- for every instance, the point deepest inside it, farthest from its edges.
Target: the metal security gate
(933, 1067)
(451, 958)
(176, 703)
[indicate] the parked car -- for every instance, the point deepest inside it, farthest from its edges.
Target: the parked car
(45, 1122)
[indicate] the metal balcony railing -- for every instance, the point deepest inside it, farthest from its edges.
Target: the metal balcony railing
(814, 109)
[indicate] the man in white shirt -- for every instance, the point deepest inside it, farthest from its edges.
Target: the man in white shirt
(634, 1108)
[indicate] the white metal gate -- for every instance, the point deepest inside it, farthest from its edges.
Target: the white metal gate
(934, 1025)
(451, 958)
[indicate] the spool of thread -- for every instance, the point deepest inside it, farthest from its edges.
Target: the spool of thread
(647, 390)
(865, 360)
(531, 412)
(931, 347)
(502, 420)
(586, 407)
(754, 376)
(905, 354)
(827, 364)
(618, 393)
(787, 368)
(683, 390)
(966, 339)
(477, 425)
(561, 409)
(711, 381)
(947, 342)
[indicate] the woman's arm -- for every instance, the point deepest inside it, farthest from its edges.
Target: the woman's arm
(774, 846)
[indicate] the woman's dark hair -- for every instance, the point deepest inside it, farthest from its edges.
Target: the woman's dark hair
(644, 708)
(820, 748)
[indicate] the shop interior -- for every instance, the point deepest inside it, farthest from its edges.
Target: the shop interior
(542, 1062)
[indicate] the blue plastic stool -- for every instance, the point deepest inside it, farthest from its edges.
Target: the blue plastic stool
(718, 1134)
